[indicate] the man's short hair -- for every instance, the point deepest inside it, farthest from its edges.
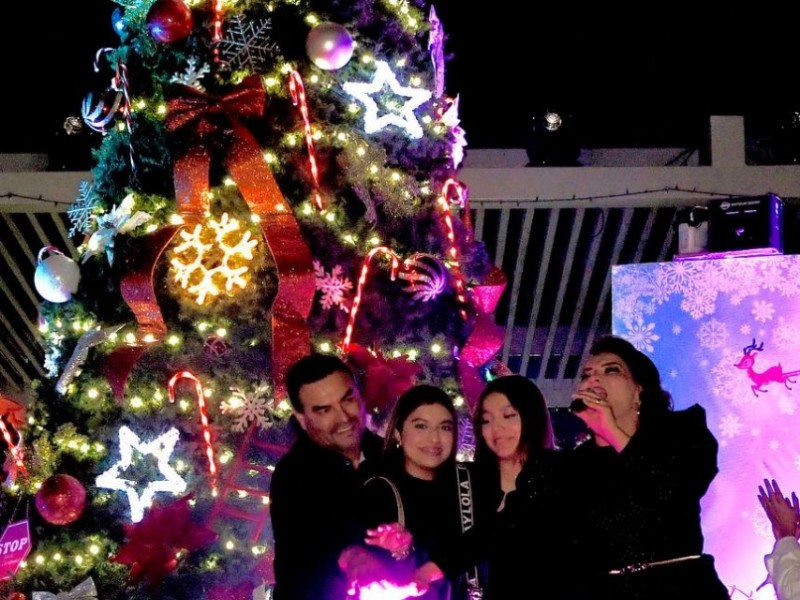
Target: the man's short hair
(309, 369)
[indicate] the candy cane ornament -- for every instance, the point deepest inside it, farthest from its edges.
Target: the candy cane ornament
(298, 92)
(201, 402)
(362, 281)
(16, 452)
(452, 252)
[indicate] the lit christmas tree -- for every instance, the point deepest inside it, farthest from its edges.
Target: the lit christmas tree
(273, 177)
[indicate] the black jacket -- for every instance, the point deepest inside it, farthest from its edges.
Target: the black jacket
(525, 543)
(314, 497)
(642, 505)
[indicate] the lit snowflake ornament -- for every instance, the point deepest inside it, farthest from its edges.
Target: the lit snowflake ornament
(249, 407)
(333, 286)
(213, 258)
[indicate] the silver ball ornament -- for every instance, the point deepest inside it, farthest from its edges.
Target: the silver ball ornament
(329, 46)
(57, 277)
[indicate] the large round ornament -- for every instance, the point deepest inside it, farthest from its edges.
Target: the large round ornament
(169, 21)
(61, 499)
(329, 46)
(118, 21)
(57, 277)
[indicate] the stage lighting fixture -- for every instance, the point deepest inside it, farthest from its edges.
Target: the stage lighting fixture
(552, 140)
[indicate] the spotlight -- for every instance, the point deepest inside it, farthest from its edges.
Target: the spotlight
(552, 140)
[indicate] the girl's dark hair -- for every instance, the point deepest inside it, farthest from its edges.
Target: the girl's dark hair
(527, 399)
(419, 395)
(654, 399)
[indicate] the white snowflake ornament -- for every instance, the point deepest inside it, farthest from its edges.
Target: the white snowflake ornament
(246, 43)
(333, 285)
(81, 212)
(248, 407)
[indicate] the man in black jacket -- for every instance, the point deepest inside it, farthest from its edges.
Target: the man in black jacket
(316, 485)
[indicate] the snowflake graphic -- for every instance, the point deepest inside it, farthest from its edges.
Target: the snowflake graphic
(745, 329)
(730, 426)
(763, 310)
(642, 336)
(774, 444)
(787, 404)
(246, 43)
(760, 522)
(713, 334)
(248, 407)
(333, 285)
(679, 276)
(81, 212)
(192, 75)
(207, 262)
(677, 329)
(699, 302)
(786, 336)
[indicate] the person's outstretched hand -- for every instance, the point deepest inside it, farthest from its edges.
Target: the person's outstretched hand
(392, 537)
(783, 515)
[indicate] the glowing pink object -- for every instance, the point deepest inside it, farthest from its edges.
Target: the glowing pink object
(385, 590)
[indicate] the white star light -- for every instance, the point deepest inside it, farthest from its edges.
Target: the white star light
(405, 118)
(161, 448)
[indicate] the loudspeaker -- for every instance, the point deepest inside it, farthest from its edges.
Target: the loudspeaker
(748, 223)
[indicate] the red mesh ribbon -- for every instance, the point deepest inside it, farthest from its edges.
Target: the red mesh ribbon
(486, 338)
(207, 122)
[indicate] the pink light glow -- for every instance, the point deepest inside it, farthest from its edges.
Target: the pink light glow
(385, 590)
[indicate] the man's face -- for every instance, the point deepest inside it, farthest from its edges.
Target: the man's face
(333, 414)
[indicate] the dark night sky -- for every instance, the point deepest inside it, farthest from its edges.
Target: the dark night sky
(633, 74)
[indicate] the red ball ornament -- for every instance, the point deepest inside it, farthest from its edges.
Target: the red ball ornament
(169, 21)
(61, 499)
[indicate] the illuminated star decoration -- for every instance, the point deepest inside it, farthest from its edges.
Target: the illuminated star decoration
(161, 448)
(404, 117)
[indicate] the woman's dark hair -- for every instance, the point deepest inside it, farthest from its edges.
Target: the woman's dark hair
(422, 394)
(654, 399)
(527, 399)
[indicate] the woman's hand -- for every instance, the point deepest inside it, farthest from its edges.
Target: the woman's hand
(783, 515)
(392, 537)
(599, 417)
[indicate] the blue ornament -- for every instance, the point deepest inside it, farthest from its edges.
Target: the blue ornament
(118, 21)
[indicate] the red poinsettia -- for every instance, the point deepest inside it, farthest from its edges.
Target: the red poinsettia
(155, 543)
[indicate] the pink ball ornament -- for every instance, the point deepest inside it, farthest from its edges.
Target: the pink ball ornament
(169, 21)
(329, 46)
(61, 499)
(57, 277)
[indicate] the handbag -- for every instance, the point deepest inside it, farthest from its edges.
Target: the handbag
(401, 513)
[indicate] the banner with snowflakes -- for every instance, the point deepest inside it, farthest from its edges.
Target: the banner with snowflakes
(725, 334)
